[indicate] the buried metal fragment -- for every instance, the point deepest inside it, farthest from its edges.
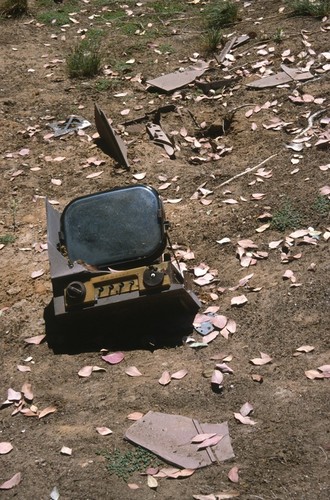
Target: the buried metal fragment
(116, 146)
(179, 79)
(286, 76)
(159, 137)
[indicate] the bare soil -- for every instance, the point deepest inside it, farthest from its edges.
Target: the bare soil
(286, 454)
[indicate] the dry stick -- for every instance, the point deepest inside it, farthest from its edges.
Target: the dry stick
(310, 122)
(247, 171)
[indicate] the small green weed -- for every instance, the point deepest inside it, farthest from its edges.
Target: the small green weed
(84, 60)
(278, 36)
(316, 8)
(13, 8)
(55, 16)
(285, 218)
(322, 205)
(222, 13)
(211, 40)
(168, 7)
(103, 84)
(124, 464)
(7, 239)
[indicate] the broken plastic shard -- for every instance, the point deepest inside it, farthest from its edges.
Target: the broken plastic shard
(204, 328)
(71, 124)
(169, 437)
(117, 147)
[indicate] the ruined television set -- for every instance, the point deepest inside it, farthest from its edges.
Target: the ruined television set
(112, 269)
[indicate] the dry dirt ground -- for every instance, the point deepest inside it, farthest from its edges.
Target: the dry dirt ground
(285, 455)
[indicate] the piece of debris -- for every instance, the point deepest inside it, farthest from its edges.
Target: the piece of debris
(286, 76)
(72, 124)
(179, 79)
(159, 137)
(170, 437)
(117, 147)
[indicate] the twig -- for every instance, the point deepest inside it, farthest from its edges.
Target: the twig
(310, 121)
(325, 454)
(247, 171)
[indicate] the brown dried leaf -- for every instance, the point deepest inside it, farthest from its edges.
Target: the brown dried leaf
(263, 360)
(257, 378)
(179, 374)
(86, 371)
(209, 442)
(47, 411)
(305, 348)
(27, 391)
(246, 409)
(136, 415)
(239, 300)
(152, 482)
(199, 438)
(217, 378)
(312, 374)
(23, 368)
(35, 340)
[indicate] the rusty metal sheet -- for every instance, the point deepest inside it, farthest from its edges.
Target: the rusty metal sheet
(286, 76)
(117, 147)
(179, 79)
(159, 137)
(169, 437)
(296, 73)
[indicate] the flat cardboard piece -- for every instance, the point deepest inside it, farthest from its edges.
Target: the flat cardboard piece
(115, 144)
(179, 79)
(169, 437)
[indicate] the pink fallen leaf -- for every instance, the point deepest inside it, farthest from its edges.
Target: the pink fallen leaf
(13, 395)
(86, 371)
(246, 409)
(209, 442)
(151, 471)
(217, 378)
(224, 368)
(165, 379)
(299, 233)
(325, 190)
(312, 374)
(239, 300)
(113, 358)
(56, 182)
(65, 450)
(219, 321)
(212, 309)
(179, 374)
(35, 340)
(103, 431)
(231, 326)
(136, 415)
(132, 371)
(244, 420)
(263, 360)
(5, 448)
(14, 481)
(247, 244)
(230, 201)
(257, 378)
(211, 336)
(27, 391)
(47, 411)
(275, 244)
(233, 475)
(199, 438)
(23, 368)
(324, 368)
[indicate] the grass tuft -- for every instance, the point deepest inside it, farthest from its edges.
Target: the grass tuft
(316, 8)
(124, 464)
(285, 218)
(84, 60)
(222, 13)
(13, 8)
(211, 40)
(7, 239)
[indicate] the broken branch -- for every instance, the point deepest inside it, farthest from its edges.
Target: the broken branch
(247, 171)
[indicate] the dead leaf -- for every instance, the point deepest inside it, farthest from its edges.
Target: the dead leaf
(35, 340)
(239, 300)
(14, 481)
(13, 395)
(179, 374)
(47, 411)
(257, 378)
(165, 379)
(37, 274)
(140, 176)
(104, 431)
(23, 368)
(133, 486)
(312, 374)
(246, 409)
(5, 448)
(263, 360)
(209, 442)
(233, 475)
(199, 438)
(305, 348)
(94, 174)
(86, 371)
(132, 371)
(244, 420)
(136, 415)
(152, 482)
(114, 358)
(217, 378)
(27, 391)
